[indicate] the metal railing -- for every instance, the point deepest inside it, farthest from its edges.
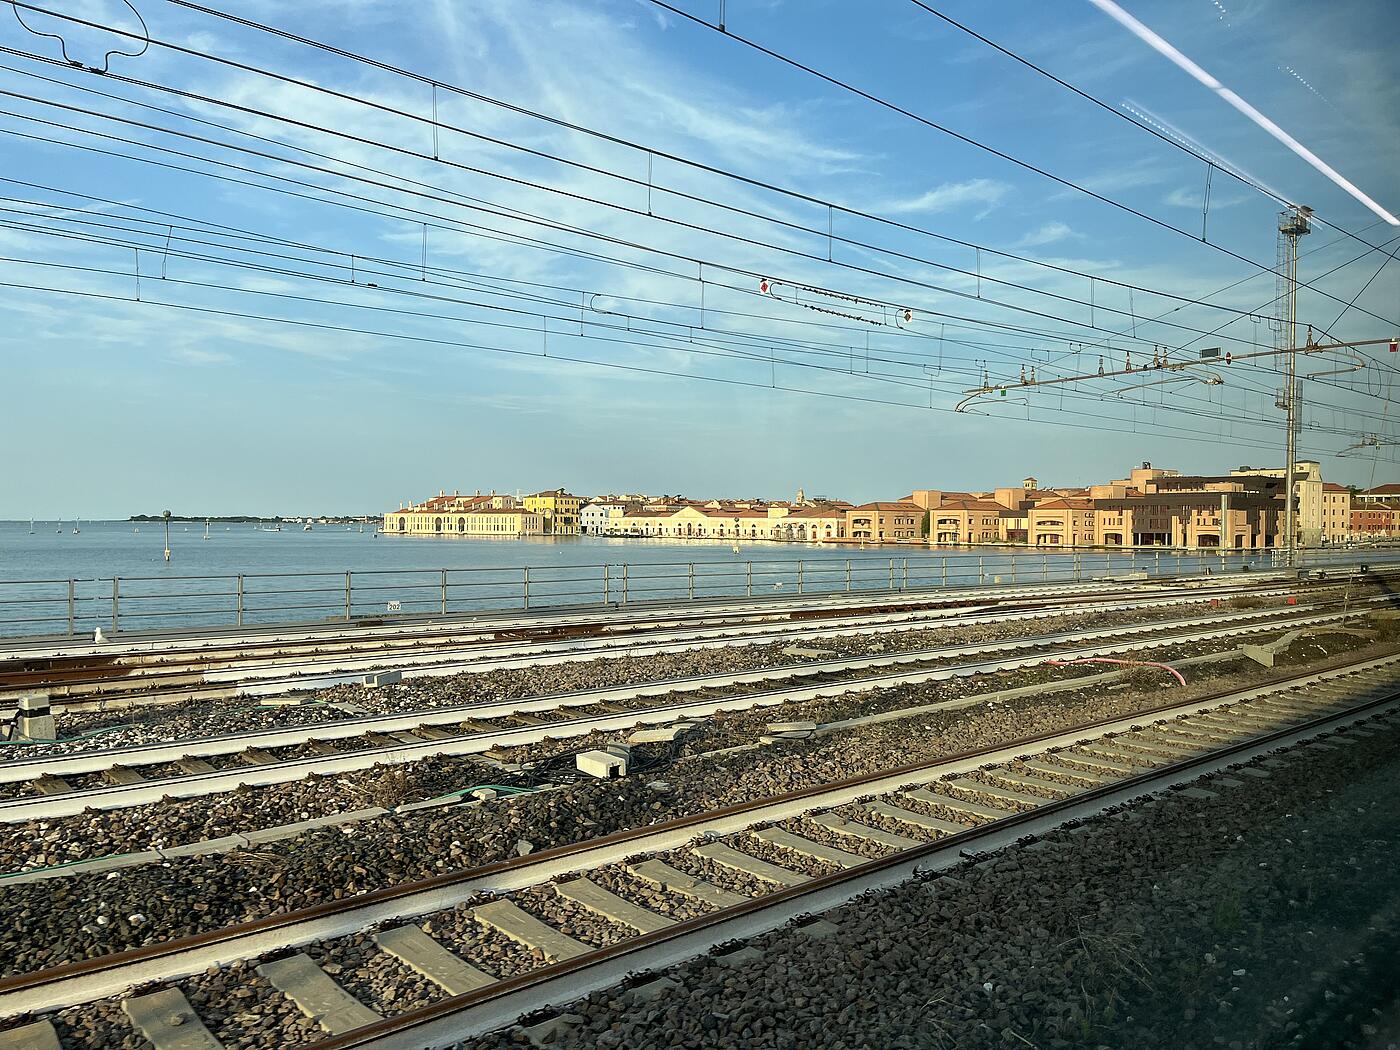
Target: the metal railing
(33, 608)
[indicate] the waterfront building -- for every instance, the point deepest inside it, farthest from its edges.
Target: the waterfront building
(1380, 494)
(457, 515)
(884, 522)
(1336, 512)
(559, 510)
(1375, 520)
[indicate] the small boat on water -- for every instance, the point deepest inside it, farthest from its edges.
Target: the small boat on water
(206, 528)
(306, 527)
(76, 530)
(31, 526)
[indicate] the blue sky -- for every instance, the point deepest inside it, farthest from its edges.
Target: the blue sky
(352, 400)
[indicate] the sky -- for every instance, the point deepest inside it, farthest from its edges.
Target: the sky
(617, 250)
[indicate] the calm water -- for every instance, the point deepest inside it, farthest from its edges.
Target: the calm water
(425, 574)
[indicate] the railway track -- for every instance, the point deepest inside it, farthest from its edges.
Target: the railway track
(64, 785)
(582, 917)
(87, 677)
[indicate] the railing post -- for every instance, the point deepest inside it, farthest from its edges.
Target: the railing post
(799, 576)
(348, 598)
(1178, 563)
(444, 592)
(905, 585)
(525, 587)
(1013, 566)
(116, 602)
(748, 578)
(981, 575)
(690, 580)
(625, 574)
(71, 625)
(945, 570)
(848, 575)
(607, 597)
(238, 600)
(1045, 567)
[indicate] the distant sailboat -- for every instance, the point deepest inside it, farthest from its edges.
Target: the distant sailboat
(206, 528)
(31, 526)
(76, 530)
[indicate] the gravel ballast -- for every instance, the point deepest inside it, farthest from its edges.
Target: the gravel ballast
(87, 915)
(1263, 916)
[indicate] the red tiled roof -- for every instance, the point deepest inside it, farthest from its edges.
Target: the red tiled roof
(1064, 504)
(900, 505)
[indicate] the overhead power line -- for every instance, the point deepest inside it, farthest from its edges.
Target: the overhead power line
(245, 67)
(975, 143)
(815, 232)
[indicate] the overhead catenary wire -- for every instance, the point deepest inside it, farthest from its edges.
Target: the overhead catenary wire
(514, 214)
(196, 53)
(970, 141)
(208, 161)
(1186, 434)
(1212, 164)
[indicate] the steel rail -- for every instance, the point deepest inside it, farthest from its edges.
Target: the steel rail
(97, 758)
(502, 1003)
(129, 684)
(86, 980)
(126, 795)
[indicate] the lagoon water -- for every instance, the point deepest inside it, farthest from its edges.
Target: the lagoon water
(244, 574)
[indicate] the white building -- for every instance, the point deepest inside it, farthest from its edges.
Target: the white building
(599, 517)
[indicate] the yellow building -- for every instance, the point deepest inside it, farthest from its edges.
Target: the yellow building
(884, 522)
(557, 509)
(458, 515)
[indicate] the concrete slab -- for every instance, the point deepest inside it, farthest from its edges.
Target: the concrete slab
(1104, 758)
(730, 857)
(1161, 740)
(1194, 792)
(82, 867)
(169, 1022)
(286, 831)
(1084, 776)
(1001, 794)
(659, 873)
(120, 775)
(41, 1035)
(316, 995)
(972, 809)
(205, 848)
(426, 957)
(654, 989)
(610, 906)
(1254, 771)
(863, 831)
(1026, 780)
(47, 785)
(551, 1029)
(739, 957)
(817, 929)
(918, 820)
(808, 848)
(256, 756)
(193, 766)
(505, 917)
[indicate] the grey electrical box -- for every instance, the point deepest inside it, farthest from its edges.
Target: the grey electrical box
(607, 763)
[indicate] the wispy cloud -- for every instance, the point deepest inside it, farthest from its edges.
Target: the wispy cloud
(1185, 197)
(1047, 234)
(980, 194)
